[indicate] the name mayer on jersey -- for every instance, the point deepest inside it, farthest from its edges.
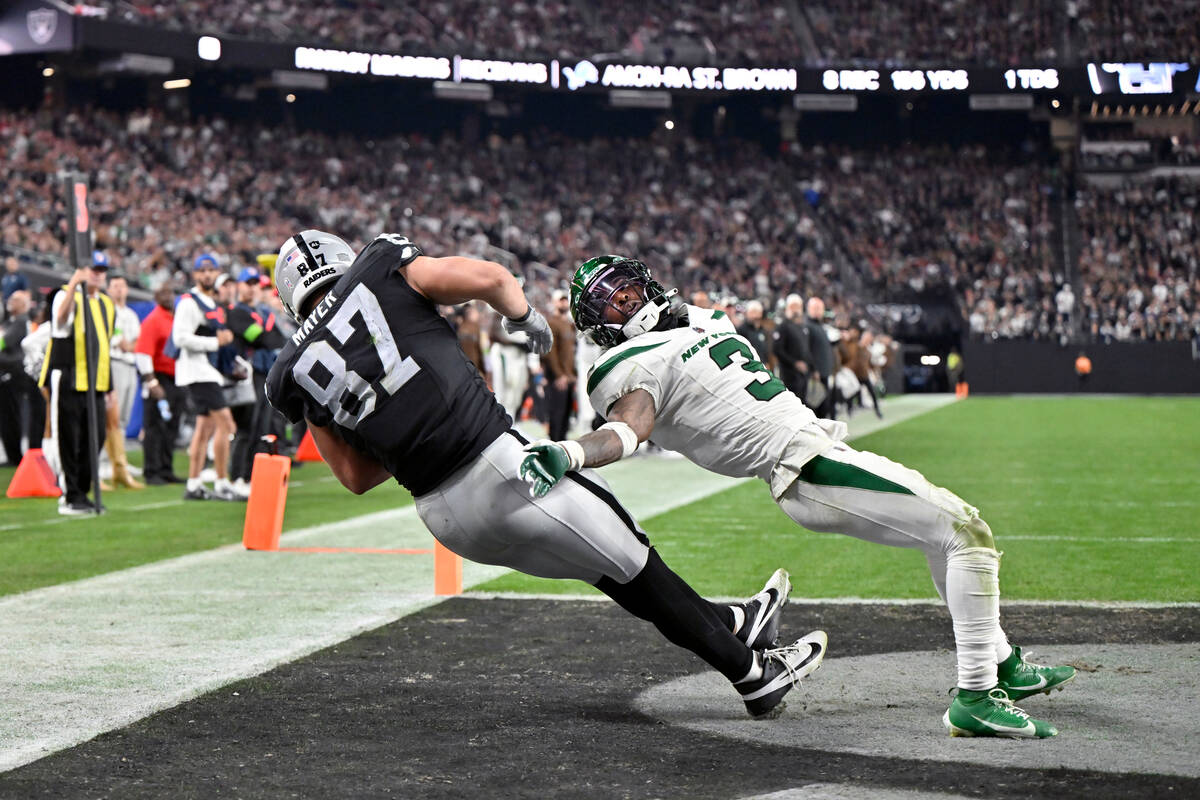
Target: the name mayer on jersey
(314, 318)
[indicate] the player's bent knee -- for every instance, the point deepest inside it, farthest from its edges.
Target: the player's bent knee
(976, 533)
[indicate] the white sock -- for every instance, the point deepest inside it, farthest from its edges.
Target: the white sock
(222, 483)
(1003, 648)
(756, 670)
(739, 618)
(194, 484)
(973, 597)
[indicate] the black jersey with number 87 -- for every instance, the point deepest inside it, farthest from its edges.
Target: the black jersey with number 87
(375, 361)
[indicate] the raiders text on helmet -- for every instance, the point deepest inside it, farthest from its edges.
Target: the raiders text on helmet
(592, 289)
(306, 262)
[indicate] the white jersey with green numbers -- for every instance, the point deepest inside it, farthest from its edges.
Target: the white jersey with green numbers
(714, 401)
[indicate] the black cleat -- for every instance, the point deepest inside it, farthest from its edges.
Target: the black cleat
(783, 669)
(761, 627)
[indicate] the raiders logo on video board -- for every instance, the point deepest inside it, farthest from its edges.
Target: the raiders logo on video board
(42, 23)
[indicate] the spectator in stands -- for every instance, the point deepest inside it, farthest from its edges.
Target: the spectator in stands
(749, 31)
(916, 32)
(13, 280)
(198, 331)
(163, 402)
(915, 224)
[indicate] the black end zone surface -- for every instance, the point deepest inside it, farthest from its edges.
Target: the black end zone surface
(524, 698)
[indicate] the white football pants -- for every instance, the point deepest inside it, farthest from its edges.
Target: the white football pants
(865, 495)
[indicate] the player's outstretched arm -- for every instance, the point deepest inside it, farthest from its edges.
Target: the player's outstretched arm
(357, 472)
(457, 279)
(630, 421)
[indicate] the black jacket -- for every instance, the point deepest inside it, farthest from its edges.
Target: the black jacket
(791, 345)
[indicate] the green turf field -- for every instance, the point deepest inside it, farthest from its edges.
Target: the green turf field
(1089, 498)
(40, 548)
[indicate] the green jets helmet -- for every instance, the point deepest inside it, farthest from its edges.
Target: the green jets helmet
(592, 289)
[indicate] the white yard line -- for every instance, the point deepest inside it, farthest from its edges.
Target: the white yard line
(148, 506)
(86, 657)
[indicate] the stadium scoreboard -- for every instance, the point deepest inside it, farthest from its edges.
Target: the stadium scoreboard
(50, 28)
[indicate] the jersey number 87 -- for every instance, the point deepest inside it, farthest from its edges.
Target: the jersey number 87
(347, 394)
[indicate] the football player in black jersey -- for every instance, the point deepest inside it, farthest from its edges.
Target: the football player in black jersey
(387, 392)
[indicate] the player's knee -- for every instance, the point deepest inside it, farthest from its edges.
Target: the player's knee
(975, 533)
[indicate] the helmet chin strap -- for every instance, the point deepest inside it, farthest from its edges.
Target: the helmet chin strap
(646, 318)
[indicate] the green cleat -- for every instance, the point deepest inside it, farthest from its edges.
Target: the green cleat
(991, 713)
(1020, 679)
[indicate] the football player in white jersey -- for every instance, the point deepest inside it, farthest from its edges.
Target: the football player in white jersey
(682, 373)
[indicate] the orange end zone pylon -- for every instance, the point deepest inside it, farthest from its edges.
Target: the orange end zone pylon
(33, 477)
(268, 497)
(307, 451)
(447, 570)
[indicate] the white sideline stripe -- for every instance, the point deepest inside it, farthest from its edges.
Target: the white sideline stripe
(148, 506)
(130, 643)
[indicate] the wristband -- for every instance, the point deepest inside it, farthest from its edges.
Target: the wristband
(524, 317)
(629, 439)
(574, 453)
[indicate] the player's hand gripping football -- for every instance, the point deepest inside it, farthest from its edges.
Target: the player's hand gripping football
(535, 326)
(547, 462)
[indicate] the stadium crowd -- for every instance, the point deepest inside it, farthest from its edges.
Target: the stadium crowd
(969, 226)
(1140, 261)
(758, 31)
(728, 222)
(750, 30)
(1127, 30)
(942, 31)
(966, 225)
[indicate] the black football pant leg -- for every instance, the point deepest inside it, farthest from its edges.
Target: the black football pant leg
(663, 598)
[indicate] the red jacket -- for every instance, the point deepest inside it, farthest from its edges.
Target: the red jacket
(156, 327)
